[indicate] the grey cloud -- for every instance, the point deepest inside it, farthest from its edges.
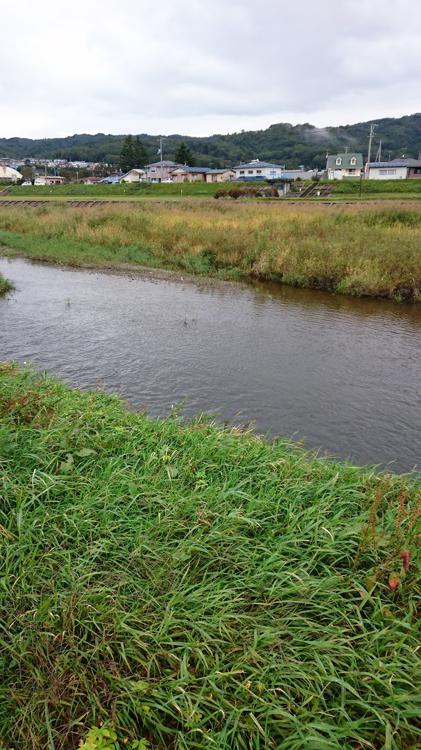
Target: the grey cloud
(204, 67)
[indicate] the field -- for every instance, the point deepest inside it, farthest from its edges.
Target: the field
(192, 587)
(341, 190)
(139, 190)
(372, 250)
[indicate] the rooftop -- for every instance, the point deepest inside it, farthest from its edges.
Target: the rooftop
(257, 164)
(192, 170)
(396, 163)
(220, 171)
(164, 164)
(345, 160)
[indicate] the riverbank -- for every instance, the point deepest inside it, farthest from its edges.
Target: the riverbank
(195, 586)
(357, 250)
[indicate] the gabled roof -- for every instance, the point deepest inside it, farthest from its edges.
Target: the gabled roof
(345, 161)
(138, 170)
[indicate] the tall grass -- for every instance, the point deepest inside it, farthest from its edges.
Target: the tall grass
(353, 250)
(5, 285)
(197, 588)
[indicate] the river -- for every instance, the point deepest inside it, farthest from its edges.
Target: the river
(342, 374)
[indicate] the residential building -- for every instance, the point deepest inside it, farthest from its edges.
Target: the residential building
(49, 179)
(340, 166)
(299, 174)
(189, 174)
(135, 175)
(397, 169)
(258, 170)
(220, 175)
(111, 179)
(9, 174)
(91, 180)
(160, 171)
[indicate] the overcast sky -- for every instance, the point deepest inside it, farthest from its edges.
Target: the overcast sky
(204, 66)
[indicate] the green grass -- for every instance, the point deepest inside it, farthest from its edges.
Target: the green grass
(341, 189)
(196, 587)
(374, 187)
(134, 190)
(5, 285)
(357, 250)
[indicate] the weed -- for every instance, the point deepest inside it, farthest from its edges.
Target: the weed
(196, 587)
(5, 285)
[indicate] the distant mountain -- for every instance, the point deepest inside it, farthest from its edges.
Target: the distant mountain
(282, 143)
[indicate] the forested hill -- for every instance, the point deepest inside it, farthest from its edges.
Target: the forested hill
(281, 143)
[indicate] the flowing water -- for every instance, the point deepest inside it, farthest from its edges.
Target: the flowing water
(343, 374)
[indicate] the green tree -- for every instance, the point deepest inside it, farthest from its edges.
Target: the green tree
(133, 154)
(183, 155)
(127, 155)
(27, 172)
(140, 153)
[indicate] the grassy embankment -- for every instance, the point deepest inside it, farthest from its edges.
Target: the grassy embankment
(195, 587)
(352, 250)
(341, 190)
(375, 188)
(123, 190)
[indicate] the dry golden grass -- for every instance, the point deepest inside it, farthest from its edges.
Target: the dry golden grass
(362, 250)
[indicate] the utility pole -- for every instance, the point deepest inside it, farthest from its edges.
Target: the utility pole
(370, 139)
(379, 152)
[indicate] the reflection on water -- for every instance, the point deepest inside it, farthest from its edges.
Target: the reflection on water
(343, 374)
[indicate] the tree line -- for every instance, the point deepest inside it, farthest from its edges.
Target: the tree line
(134, 154)
(294, 145)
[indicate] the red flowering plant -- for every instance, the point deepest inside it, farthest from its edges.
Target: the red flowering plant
(391, 535)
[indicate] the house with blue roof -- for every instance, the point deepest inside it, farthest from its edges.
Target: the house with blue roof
(256, 170)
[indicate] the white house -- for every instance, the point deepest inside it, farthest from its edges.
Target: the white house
(9, 174)
(299, 174)
(49, 179)
(397, 169)
(344, 165)
(135, 175)
(258, 170)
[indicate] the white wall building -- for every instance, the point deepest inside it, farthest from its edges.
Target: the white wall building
(258, 170)
(299, 174)
(49, 179)
(344, 165)
(135, 175)
(9, 174)
(397, 169)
